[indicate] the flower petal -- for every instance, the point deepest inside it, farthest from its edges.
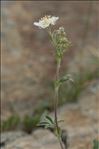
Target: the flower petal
(53, 20)
(36, 23)
(46, 21)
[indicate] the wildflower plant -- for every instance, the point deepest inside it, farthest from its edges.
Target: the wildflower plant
(61, 44)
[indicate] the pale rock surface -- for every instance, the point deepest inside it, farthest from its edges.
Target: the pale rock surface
(28, 64)
(82, 128)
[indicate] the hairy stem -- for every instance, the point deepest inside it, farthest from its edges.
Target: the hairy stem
(56, 103)
(56, 95)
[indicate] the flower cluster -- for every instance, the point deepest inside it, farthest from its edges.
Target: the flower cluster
(46, 21)
(61, 42)
(58, 37)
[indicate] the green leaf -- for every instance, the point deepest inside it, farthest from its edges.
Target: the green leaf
(46, 121)
(62, 80)
(65, 78)
(50, 119)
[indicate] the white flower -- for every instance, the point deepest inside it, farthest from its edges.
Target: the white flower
(53, 20)
(46, 21)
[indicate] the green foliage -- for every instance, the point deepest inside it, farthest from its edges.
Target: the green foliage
(95, 144)
(46, 121)
(64, 79)
(71, 92)
(30, 122)
(67, 93)
(11, 123)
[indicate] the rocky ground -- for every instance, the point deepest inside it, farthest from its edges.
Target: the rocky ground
(81, 120)
(28, 64)
(28, 67)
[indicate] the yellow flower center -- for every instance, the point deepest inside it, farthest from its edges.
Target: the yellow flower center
(45, 18)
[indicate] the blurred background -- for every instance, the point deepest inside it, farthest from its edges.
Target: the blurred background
(27, 56)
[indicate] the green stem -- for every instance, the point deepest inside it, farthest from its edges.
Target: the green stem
(56, 103)
(56, 95)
